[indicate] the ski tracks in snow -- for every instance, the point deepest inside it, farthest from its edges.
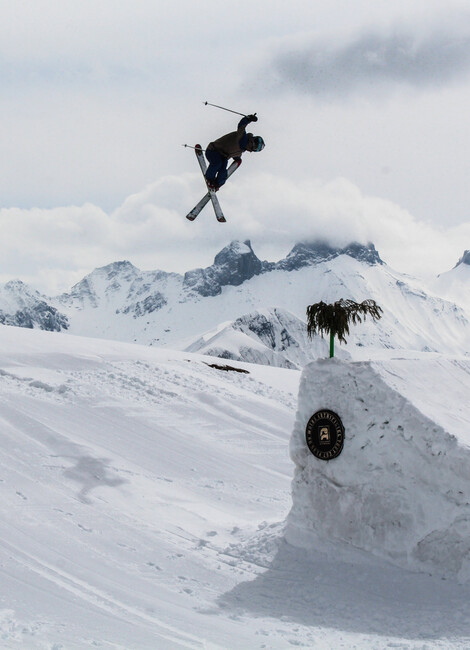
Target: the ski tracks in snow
(119, 496)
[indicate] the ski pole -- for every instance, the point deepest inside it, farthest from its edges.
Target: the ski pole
(225, 109)
(191, 147)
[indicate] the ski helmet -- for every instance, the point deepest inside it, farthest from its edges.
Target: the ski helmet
(258, 143)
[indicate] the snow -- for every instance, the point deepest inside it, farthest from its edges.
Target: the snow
(240, 248)
(400, 488)
(454, 284)
(146, 502)
(15, 295)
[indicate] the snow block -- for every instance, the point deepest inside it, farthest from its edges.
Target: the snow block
(401, 487)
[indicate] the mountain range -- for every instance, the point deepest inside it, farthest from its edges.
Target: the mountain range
(244, 308)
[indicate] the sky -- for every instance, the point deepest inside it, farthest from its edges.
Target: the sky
(363, 107)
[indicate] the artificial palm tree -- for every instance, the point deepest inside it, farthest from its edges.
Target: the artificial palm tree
(334, 319)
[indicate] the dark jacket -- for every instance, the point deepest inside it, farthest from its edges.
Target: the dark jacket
(233, 144)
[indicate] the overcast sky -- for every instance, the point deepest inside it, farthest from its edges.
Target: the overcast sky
(363, 105)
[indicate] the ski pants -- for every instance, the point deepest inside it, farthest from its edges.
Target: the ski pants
(217, 170)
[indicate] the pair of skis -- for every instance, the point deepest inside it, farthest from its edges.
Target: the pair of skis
(211, 195)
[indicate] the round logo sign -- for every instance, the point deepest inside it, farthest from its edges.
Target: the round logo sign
(325, 435)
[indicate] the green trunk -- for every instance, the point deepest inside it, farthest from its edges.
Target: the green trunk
(332, 345)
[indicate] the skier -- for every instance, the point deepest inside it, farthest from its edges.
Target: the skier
(228, 146)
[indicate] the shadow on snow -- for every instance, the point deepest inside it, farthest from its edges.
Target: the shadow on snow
(359, 594)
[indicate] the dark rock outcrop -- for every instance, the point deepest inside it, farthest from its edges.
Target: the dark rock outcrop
(465, 259)
(308, 254)
(235, 264)
(30, 309)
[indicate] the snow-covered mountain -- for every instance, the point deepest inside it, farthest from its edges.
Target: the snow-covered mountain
(221, 308)
(24, 307)
(271, 337)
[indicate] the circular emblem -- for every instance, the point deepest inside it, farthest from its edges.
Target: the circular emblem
(325, 435)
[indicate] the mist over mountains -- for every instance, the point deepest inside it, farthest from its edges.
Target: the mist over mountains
(245, 308)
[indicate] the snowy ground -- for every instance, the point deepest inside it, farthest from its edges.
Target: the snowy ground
(143, 501)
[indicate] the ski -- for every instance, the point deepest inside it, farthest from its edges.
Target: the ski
(211, 195)
(198, 207)
(205, 199)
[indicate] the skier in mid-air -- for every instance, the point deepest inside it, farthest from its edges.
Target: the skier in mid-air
(218, 152)
(228, 146)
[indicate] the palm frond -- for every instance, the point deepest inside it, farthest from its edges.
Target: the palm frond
(335, 318)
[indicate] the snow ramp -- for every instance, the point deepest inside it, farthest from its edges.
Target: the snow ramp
(400, 488)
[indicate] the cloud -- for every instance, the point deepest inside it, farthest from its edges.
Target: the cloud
(371, 61)
(52, 249)
(275, 211)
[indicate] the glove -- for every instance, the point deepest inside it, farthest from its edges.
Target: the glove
(252, 118)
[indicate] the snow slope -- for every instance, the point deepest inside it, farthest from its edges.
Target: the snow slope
(454, 284)
(143, 500)
(125, 473)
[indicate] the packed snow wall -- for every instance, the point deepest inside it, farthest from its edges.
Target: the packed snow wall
(400, 488)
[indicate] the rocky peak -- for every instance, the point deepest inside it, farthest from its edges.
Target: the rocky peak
(20, 289)
(307, 254)
(235, 264)
(15, 294)
(363, 253)
(115, 272)
(15, 285)
(124, 268)
(465, 259)
(22, 306)
(311, 253)
(101, 281)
